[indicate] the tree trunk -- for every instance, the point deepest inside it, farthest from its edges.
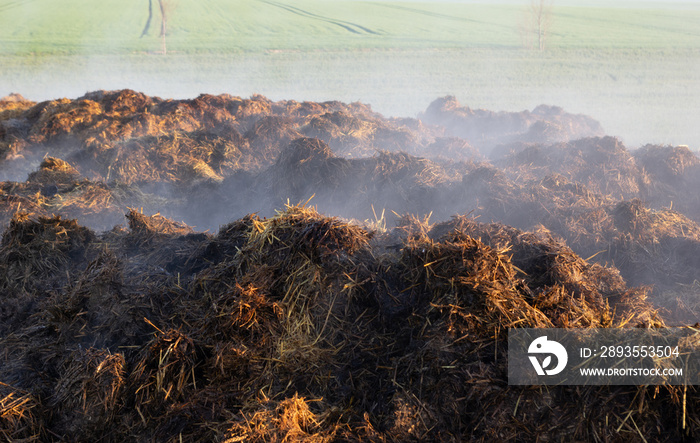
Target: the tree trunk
(150, 16)
(541, 11)
(163, 25)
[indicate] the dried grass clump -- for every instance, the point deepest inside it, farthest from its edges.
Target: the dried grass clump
(543, 131)
(301, 232)
(567, 208)
(11, 204)
(358, 133)
(657, 248)
(305, 263)
(571, 291)
(19, 421)
(649, 247)
(95, 204)
(130, 114)
(613, 413)
(472, 284)
(97, 116)
(211, 256)
(308, 168)
(256, 106)
(232, 236)
(123, 101)
(106, 117)
(603, 165)
(346, 134)
(410, 228)
(294, 251)
(167, 372)
(13, 133)
(397, 181)
(45, 246)
(277, 306)
(403, 336)
(269, 135)
(244, 314)
(400, 166)
(195, 148)
(296, 109)
(206, 112)
(242, 331)
(145, 228)
(307, 165)
(674, 174)
(58, 189)
(240, 328)
(490, 183)
(649, 226)
(667, 164)
(681, 302)
(54, 171)
(11, 106)
(289, 420)
(88, 394)
(59, 118)
(171, 249)
(183, 159)
(101, 308)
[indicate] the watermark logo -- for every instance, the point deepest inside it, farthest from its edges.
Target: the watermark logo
(550, 347)
(604, 356)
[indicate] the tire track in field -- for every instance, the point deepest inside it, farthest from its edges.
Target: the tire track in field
(13, 4)
(439, 15)
(348, 26)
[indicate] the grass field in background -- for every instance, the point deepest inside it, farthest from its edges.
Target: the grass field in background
(225, 26)
(634, 68)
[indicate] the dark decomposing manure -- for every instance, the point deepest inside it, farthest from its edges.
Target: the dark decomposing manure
(357, 281)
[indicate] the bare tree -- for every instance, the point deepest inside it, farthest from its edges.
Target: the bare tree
(166, 7)
(150, 16)
(538, 20)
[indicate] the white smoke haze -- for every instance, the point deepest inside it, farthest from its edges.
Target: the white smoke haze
(637, 103)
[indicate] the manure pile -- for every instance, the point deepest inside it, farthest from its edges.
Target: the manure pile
(357, 280)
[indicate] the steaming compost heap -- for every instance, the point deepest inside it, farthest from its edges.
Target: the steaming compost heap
(359, 285)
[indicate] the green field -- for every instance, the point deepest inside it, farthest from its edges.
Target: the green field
(632, 65)
(225, 26)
